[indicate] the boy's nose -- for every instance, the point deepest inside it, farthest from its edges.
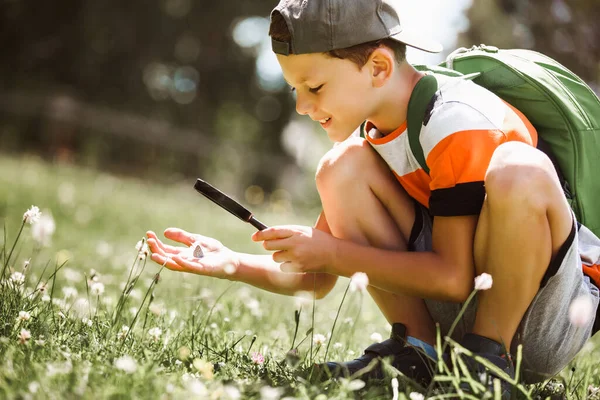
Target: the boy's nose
(303, 105)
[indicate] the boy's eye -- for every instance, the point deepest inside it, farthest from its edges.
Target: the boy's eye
(316, 89)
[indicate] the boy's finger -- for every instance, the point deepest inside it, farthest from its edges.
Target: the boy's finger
(276, 244)
(156, 246)
(289, 267)
(166, 261)
(190, 266)
(272, 233)
(181, 236)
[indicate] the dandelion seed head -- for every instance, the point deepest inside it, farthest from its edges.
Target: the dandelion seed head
(359, 282)
(46, 298)
(32, 215)
(97, 288)
(69, 292)
(337, 345)
(483, 281)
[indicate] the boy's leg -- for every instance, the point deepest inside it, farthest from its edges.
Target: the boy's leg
(524, 222)
(364, 203)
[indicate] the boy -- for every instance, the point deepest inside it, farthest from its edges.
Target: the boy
(491, 203)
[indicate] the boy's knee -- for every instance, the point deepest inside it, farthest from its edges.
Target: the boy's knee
(343, 164)
(520, 175)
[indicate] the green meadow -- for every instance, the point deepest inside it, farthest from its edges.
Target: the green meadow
(83, 314)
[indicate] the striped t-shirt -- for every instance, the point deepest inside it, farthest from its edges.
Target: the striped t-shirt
(463, 125)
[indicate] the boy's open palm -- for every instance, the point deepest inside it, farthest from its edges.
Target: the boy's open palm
(215, 260)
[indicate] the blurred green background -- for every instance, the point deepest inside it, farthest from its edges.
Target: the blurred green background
(168, 90)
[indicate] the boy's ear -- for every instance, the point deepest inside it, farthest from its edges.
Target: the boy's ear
(382, 64)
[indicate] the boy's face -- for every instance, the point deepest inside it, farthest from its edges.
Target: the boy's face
(331, 91)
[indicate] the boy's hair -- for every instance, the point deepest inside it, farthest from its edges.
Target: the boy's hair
(358, 54)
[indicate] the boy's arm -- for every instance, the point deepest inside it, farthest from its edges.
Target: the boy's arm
(220, 262)
(446, 273)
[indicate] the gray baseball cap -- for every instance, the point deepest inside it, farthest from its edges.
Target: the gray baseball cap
(318, 26)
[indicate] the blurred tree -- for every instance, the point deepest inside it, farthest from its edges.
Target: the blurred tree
(165, 78)
(566, 30)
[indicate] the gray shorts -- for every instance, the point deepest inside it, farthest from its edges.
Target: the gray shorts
(549, 339)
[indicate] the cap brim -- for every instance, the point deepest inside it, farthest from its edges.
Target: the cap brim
(417, 42)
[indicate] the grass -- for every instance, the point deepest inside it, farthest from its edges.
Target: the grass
(189, 336)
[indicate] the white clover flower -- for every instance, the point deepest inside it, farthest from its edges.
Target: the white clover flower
(123, 332)
(581, 311)
(17, 278)
(86, 321)
(337, 345)
(126, 364)
(143, 249)
(416, 396)
(97, 288)
(483, 281)
(43, 229)
(32, 215)
(395, 388)
(24, 336)
(359, 282)
(23, 316)
(155, 333)
(376, 337)
(319, 339)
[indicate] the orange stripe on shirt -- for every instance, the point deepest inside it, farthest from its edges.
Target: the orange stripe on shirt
(593, 271)
(416, 185)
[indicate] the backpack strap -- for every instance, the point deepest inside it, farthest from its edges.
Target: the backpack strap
(420, 98)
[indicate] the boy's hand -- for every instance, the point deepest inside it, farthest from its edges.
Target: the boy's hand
(214, 261)
(298, 248)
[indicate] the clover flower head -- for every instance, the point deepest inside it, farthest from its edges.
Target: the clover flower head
(23, 316)
(123, 332)
(483, 281)
(258, 358)
(319, 339)
(32, 215)
(359, 282)
(155, 333)
(24, 336)
(126, 364)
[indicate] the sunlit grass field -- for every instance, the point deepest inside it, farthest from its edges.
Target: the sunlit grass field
(189, 336)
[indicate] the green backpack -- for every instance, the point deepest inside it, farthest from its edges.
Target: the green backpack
(563, 109)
